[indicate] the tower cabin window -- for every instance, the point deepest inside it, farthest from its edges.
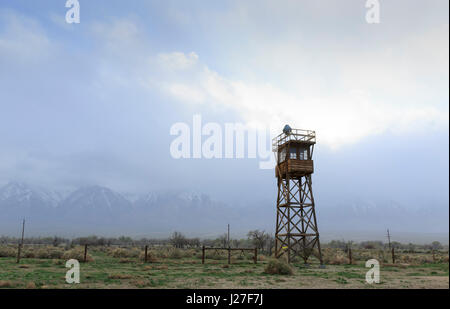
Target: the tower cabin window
(293, 153)
(282, 155)
(298, 152)
(303, 152)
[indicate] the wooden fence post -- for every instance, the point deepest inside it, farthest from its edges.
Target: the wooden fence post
(229, 255)
(145, 255)
(256, 255)
(19, 248)
(393, 256)
(434, 256)
(85, 252)
(350, 256)
(203, 255)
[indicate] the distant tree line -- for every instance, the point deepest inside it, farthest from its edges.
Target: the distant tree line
(255, 239)
(409, 247)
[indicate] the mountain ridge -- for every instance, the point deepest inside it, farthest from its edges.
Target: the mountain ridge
(101, 210)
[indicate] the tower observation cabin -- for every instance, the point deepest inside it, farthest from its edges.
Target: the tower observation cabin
(294, 149)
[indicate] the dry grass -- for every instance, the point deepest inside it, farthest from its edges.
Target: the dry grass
(8, 251)
(120, 276)
(33, 252)
(77, 254)
(46, 252)
(124, 252)
(151, 258)
(340, 257)
(335, 257)
(399, 265)
(414, 259)
(6, 284)
(140, 283)
(190, 262)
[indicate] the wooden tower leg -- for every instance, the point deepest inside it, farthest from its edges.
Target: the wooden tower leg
(277, 251)
(296, 232)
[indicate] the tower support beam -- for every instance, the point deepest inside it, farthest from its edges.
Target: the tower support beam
(297, 232)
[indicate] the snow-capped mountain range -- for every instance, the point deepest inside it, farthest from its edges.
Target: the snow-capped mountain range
(100, 210)
(96, 209)
(21, 195)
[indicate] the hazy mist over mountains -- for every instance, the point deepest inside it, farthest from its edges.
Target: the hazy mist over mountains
(102, 211)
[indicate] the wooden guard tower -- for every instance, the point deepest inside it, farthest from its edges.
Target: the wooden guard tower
(296, 231)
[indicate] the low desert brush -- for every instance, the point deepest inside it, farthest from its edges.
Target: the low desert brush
(175, 253)
(277, 267)
(8, 251)
(120, 276)
(151, 257)
(5, 284)
(77, 254)
(335, 257)
(124, 253)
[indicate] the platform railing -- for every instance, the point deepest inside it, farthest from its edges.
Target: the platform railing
(295, 135)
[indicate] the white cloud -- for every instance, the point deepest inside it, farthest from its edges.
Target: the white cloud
(340, 117)
(343, 94)
(122, 30)
(187, 93)
(22, 40)
(177, 60)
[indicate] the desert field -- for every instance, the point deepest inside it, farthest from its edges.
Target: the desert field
(43, 267)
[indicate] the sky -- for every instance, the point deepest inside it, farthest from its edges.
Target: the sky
(94, 102)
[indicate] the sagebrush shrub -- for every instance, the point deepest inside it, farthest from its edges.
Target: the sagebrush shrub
(335, 257)
(124, 253)
(175, 253)
(49, 253)
(8, 251)
(77, 254)
(277, 267)
(151, 257)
